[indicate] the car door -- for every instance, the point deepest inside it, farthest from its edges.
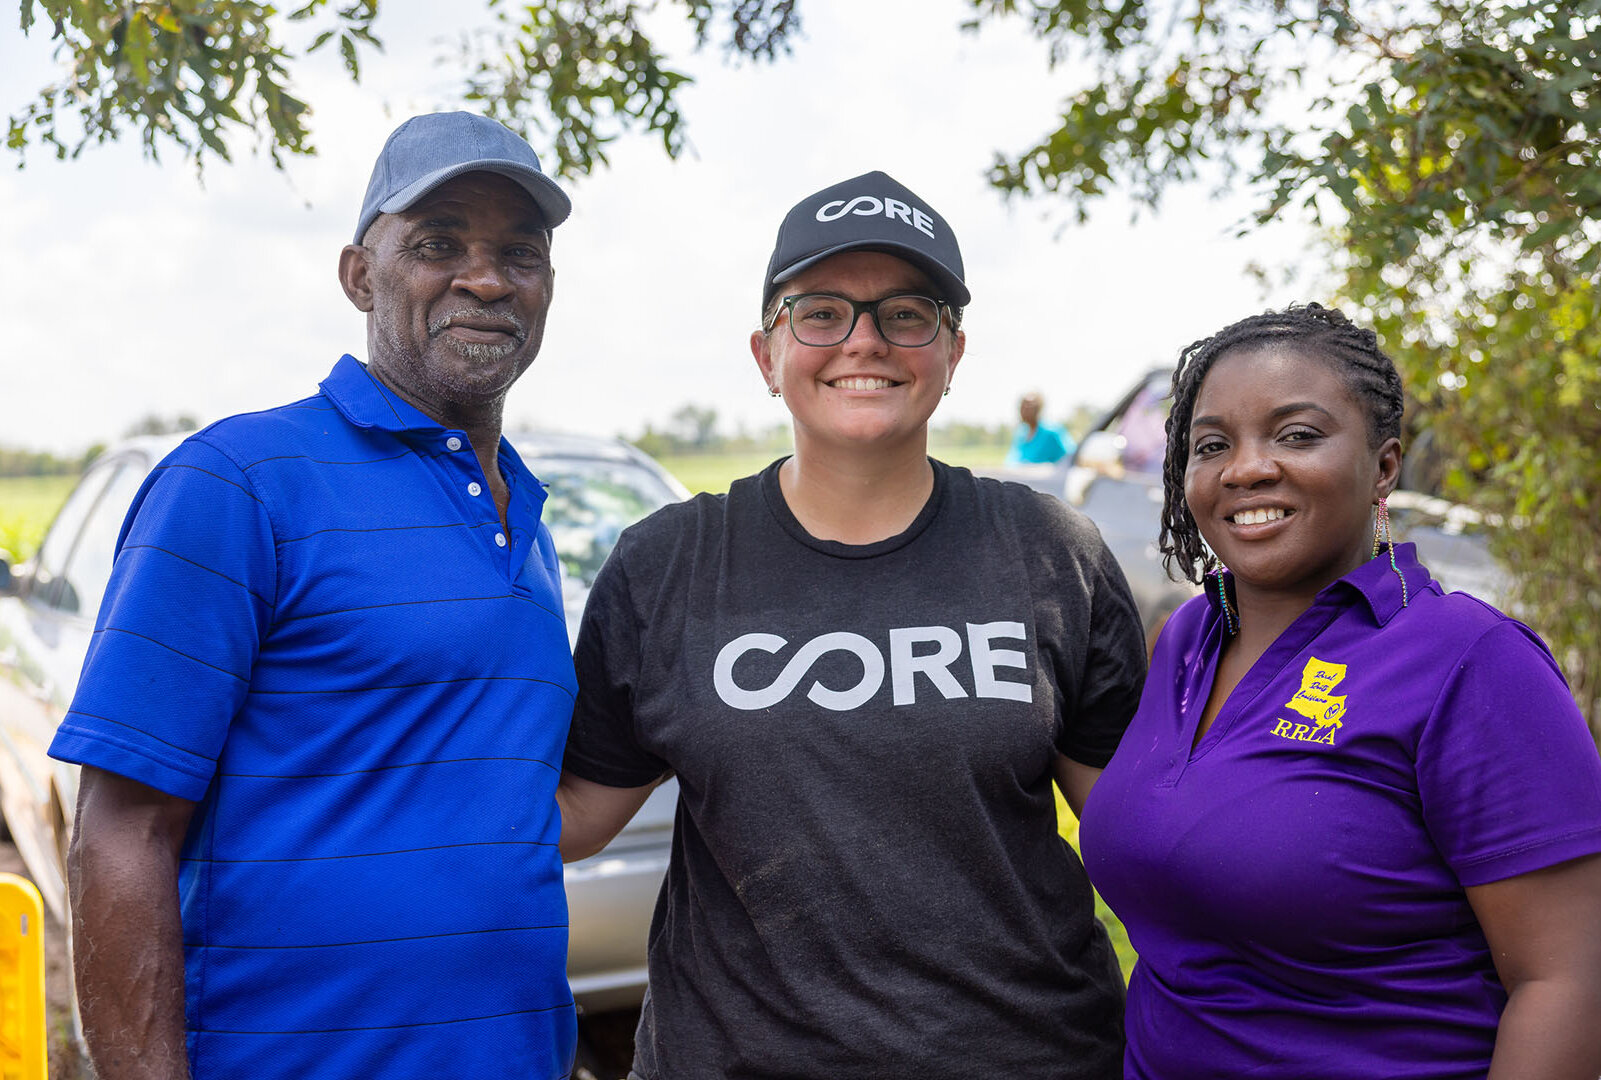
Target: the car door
(44, 635)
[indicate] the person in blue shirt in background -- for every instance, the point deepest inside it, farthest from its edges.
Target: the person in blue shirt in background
(1036, 442)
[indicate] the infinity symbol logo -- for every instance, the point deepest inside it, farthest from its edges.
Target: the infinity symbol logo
(905, 664)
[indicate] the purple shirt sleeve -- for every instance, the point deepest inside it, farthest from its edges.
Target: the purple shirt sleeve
(1505, 716)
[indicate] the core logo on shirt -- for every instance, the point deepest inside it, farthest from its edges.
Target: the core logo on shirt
(1315, 701)
(906, 662)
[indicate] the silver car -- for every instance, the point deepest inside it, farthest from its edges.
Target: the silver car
(596, 488)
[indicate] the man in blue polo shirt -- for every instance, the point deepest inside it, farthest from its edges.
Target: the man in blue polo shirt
(322, 719)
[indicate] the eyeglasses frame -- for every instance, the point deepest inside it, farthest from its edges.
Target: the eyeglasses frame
(942, 311)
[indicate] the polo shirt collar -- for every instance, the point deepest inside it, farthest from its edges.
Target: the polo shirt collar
(368, 403)
(1374, 581)
(1377, 583)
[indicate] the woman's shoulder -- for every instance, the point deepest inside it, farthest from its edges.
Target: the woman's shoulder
(1028, 507)
(1456, 623)
(1186, 627)
(670, 523)
(706, 514)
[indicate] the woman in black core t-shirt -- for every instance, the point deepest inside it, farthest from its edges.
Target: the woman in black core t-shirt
(865, 668)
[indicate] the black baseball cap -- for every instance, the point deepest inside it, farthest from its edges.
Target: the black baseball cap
(871, 212)
(428, 150)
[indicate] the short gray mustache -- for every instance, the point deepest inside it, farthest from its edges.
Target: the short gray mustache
(503, 319)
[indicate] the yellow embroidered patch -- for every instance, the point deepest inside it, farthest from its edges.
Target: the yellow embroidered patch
(1315, 701)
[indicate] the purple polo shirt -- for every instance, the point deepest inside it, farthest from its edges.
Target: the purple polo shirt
(1294, 884)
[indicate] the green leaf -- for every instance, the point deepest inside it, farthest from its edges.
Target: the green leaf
(347, 49)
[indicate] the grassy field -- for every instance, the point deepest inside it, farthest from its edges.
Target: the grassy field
(27, 505)
(714, 472)
(972, 457)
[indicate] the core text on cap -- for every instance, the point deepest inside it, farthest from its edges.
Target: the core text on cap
(868, 206)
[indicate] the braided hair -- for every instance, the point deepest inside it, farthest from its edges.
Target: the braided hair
(1368, 373)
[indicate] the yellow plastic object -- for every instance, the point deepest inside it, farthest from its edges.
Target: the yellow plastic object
(22, 1034)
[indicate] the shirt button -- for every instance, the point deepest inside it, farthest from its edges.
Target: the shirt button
(475, 489)
(500, 539)
(453, 443)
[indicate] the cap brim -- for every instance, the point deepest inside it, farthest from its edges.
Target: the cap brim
(953, 287)
(554, 206)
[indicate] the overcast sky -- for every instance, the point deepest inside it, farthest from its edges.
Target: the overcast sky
(128, 288)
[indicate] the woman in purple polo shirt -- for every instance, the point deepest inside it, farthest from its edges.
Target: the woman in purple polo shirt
(1354, 827)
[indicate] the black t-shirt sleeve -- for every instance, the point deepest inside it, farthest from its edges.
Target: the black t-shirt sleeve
(603, 745)
(1114, 668)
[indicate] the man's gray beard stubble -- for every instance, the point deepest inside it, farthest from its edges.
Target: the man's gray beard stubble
(481, 351)
(477, 351)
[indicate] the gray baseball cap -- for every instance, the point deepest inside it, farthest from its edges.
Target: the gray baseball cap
(428, 150)
(871, 212)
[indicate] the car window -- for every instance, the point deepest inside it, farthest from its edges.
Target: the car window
(589, 503)
(58, 542)
(1142, 428)
(89, 566)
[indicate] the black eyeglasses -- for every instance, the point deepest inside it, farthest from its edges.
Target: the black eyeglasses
(822, 320)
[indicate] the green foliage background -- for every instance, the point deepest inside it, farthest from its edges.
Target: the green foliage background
(27, 506)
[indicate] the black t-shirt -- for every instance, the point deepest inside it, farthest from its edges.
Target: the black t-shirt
(866, 877)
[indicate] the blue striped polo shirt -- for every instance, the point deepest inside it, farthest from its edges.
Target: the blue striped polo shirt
(318, 630)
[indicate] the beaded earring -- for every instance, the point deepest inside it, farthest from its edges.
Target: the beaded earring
(1383, 539)
(1231, 621)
